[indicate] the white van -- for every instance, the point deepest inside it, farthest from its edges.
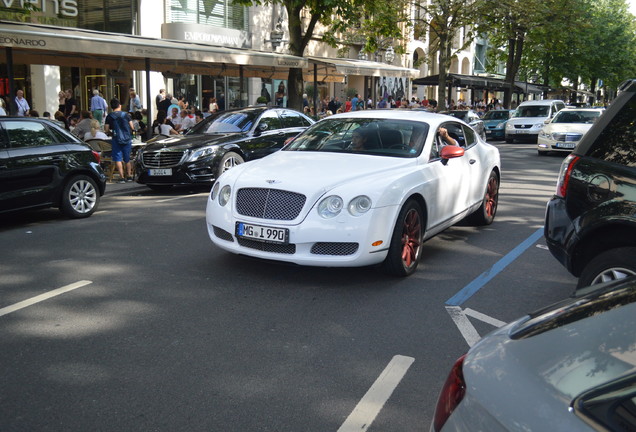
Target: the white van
(529, 117)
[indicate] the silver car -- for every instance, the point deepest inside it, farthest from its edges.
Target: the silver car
(569, 367)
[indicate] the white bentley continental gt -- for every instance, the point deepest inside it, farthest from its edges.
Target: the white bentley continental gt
(357, 189)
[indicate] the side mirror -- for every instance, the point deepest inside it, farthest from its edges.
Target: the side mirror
(262, 127)
(450, 152)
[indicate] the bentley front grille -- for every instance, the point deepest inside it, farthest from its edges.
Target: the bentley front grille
(266, 203)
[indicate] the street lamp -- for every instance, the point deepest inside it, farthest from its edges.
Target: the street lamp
(389, 55)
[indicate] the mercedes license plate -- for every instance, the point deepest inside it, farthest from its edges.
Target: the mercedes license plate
(262, 233)
(565, 145)
(160, 172)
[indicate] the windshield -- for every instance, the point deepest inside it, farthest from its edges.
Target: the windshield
(496, 115)
(397, 138)
(576, 117)
(462, 115)
(532, 111)
(227, 122)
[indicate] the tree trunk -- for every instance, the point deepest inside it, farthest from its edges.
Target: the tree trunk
(443, 61)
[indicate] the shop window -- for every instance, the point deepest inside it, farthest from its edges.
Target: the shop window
(218, 13)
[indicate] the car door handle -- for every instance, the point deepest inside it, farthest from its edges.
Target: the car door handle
(472, 161)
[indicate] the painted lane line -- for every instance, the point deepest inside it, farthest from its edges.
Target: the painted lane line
(463, 324)
(42, 297)
(370, 405)
(483, 317)
(469, 290)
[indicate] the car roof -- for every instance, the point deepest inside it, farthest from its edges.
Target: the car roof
(541, 102)
(397, 114)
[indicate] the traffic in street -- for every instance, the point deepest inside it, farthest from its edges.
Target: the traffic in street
(133, 319)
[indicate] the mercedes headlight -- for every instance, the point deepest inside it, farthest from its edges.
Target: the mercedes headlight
(330, 207)
(201, 153)
(359, 205)
(224, 196)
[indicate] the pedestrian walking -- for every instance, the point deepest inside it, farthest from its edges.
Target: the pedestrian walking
(98, 107)
(120, 123)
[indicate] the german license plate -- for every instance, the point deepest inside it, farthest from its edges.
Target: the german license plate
(522, 131)
(160, 172)
(565, 145)
(262, 233)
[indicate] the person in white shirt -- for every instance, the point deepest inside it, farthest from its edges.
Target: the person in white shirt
(22, 105)
(95, 132)
(187, 120)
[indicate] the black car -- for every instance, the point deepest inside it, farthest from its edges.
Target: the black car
(217, 144)
(42, 165)
(470, 117)
(590, 223)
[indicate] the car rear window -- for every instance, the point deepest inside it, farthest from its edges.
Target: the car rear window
(617, 142)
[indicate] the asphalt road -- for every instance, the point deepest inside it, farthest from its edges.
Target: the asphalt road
(158, 330)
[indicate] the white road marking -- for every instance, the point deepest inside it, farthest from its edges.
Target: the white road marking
(181, 197)
(468, 331)
(370, 405)
(483, 317)
(42, 297)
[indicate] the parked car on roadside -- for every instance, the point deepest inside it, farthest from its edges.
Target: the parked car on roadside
(357, 189)
(42, 165)
(495, 123)
(469, 116)
(590, 222)
(566, 129)
(568, 367)
(215, 145)
(529, 118)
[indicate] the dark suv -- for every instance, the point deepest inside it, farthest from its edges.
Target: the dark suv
(42, 165)
(217, 144)
(590, 224)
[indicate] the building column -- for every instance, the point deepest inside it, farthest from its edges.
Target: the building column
(45, 86)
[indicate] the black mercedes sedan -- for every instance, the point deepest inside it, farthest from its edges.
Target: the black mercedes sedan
(215, 145)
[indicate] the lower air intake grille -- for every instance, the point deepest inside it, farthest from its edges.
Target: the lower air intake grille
(288, 249)
(334, 248)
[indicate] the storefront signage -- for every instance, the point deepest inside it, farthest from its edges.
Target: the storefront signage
(17, 41)
(66, 8)
(200, 33)
(289, 63)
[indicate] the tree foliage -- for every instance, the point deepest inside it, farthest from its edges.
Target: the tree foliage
(371, 20)
(443, 20)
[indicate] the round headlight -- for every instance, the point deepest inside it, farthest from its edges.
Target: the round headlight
(224, 196)
(330, 207)
(359, 205)
(215, 191)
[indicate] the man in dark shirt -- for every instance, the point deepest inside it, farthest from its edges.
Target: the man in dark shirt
(70, 105)
(164, 105)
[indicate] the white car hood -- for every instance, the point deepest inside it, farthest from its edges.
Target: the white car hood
(313, 172)
(567, 127)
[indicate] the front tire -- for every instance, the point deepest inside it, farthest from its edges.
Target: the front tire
(406, 242)
(611, 265)
(228, 161)
(485, 214)
(80, 197)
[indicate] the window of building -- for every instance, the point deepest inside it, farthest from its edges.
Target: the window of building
(218, 13)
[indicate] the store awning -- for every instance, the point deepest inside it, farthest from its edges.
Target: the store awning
(479, 83)
(40, 44)
(335, 69)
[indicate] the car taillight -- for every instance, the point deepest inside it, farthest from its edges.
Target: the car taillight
(97, 157)
(451, 395)
(564, 175)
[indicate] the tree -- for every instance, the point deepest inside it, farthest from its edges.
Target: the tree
(507, 23)
(443, 20)
(374, 20)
